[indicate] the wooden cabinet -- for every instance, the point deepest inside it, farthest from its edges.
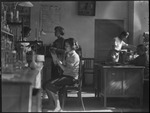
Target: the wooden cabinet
(121, 81)
(17, 89)
(16, 97)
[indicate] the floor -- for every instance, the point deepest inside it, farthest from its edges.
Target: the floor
(93, 104)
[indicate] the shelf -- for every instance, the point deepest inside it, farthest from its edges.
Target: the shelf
(6, 32)
(14, 23)
(31, 42)
(5, 50)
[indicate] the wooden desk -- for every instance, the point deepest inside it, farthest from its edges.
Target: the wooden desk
(121, 81)
(17, 91)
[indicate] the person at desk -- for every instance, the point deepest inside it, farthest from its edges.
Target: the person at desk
(58, 47)
(141, 59)
(70, 67)
(118, 44)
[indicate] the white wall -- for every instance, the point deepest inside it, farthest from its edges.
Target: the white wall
(141, 20)
(81, 27)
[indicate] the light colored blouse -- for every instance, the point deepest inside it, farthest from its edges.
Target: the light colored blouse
(118, 43)
(71, 64)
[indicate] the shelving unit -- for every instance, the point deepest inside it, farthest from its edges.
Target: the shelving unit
(11, 28)
(6, 32)
(24, 12)
(14, 26)
(7, 47)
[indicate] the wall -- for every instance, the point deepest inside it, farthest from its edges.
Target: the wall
(141, 20)
(81, 27)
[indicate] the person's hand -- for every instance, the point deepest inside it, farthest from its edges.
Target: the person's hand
(59, 62)
(52, 49)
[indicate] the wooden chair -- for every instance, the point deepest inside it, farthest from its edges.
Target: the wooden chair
(88, 68)
(97, 75)
(77, 87)
(92, 66)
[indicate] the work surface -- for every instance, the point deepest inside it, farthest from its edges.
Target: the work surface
(17, 90)
(26, 75)
(122, 66)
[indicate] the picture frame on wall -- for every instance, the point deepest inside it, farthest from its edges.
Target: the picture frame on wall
(86, 8)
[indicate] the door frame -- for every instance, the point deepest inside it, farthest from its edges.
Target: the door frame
(123, 27)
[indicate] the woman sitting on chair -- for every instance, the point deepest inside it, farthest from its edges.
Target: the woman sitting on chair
(70, 67)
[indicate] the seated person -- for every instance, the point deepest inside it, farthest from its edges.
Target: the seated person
(70, 67)
(141, 59)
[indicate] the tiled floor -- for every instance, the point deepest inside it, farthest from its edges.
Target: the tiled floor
(93, 104)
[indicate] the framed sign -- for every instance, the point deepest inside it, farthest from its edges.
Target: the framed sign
(86, 8)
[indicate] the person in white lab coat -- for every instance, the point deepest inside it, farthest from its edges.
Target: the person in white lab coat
(119, 45)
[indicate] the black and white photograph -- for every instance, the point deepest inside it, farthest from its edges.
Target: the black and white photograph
(75, 56)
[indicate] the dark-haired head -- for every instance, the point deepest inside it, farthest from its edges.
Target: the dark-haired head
(59, 29)
(26, 31)
(123, 35)
(141, 49)
(73, 43)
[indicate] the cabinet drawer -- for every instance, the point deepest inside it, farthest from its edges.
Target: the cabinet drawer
(114, 82)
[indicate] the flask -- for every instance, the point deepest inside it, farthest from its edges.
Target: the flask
(17, 16)
(11, 16)
(14, 56)
(33, 63)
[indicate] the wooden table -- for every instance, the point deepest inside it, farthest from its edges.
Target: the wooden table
(17, 90)
(121, 81)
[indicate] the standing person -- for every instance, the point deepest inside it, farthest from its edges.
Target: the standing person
(70, 67)
(118, 44)
(26, 33)
(58, 47)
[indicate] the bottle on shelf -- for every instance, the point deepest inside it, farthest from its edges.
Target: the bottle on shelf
(11, 16)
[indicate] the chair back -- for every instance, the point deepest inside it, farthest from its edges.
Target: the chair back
(88, 64)
(80, 73)
(78, 82)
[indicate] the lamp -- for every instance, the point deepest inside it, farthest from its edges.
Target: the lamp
(25, 4)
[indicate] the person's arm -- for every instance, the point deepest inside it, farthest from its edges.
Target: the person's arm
(132, 47)
(69, 64)
(128, 46)
(57, 50)
(57, 61)
(60, 64)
